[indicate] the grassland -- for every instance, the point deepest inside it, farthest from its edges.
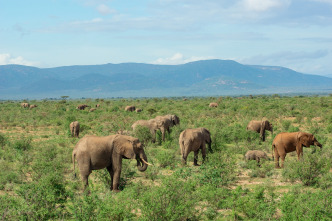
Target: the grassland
(36, 181)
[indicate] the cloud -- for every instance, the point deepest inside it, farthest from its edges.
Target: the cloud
(179, 58)
(8, 59)
(263, 5)
(105, 10)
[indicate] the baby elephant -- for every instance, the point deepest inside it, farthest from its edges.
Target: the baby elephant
(256, 155)
(75, 128)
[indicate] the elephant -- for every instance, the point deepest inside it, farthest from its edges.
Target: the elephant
(92, 109)
(25, 105)
(82, 106)
(213, 105)
(130, 108)
(194, 140)
(164, 123)
(175, 119)
(286, 142)
(138, 110)
(260, 127)
(97, 105)
(74, 128)
(94, 153)
(256, 155)
(32, 106)
(152, 124)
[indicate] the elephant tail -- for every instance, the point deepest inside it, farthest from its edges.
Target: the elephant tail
(73, 159)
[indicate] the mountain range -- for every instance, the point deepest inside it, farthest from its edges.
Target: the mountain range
(199, 78)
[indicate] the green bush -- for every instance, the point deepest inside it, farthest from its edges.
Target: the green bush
(300, 204)
(308, 169)
(218, 170)
(143, 134)
(22, 144)
(2, 140)
(173, 200)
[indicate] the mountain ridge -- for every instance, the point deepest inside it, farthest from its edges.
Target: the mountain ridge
(199, 78)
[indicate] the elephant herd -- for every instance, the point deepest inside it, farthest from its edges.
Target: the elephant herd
(93, 152)
(27, 105)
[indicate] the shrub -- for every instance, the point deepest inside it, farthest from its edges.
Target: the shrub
(22, 144)
(173, 200)
(218, 170)
(2, 140)
(264, 170)
(308, 169)
(307, 205)
(143, 134)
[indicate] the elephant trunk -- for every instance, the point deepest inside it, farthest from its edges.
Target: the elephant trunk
(142, 163)
(318, 144)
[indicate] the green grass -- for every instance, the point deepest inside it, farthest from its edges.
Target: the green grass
(36, 179)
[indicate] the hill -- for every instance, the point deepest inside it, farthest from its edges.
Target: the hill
(200, 78)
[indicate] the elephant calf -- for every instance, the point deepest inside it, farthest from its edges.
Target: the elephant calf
(194, 140)
(213, 105)
(75, 128)
(256, 155)
(130, 108)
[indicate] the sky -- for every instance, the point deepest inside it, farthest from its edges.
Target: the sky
(296, 34)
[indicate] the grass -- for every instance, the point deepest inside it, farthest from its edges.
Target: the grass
(36, 179)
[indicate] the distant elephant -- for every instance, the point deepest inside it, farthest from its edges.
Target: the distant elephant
(75, 128)
(82, 106)
(213, 105)
(138, 110)
(194, 140)
(152, 124)
(175, 119)
(92, 109)
(25, 105)
(32, 106)
(94, 153)
(97, 105)
(260, 127)
(256, 155)
(130, 108)
(286, 142)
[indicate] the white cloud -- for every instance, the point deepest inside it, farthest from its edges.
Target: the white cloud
(263, 5)
(104, 9)
(178, 58)
(8, 59)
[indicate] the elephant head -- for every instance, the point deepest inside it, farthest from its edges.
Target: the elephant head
(307, 139)
(131, 148)
(207, 137)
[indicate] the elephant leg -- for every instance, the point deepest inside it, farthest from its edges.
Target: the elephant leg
(196, 157)
(163, 133)
(299, 152)
(116, 167)
(85, 171)
(283, 156)
(203, 154)
(110, 171)
(185, 155)
(276, 159)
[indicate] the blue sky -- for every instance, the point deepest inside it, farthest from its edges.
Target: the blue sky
(48, 33)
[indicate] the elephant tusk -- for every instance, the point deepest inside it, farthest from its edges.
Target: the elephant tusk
(146, 162)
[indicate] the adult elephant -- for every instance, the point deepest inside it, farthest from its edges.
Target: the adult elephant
(286, 142)
(94, 153)
(260, 127)
(25, 105)
(213, 105)
(152, 124)
(194, 140)
(130, 108)
(33, 106)
(82, 106)
(74, 128)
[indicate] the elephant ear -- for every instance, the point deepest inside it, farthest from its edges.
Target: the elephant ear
(304, 139)
(124, 147)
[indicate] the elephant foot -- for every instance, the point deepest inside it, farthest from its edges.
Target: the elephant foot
(116, 191)
(197, 165)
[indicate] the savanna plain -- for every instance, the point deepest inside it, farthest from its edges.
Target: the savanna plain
(36, 171)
